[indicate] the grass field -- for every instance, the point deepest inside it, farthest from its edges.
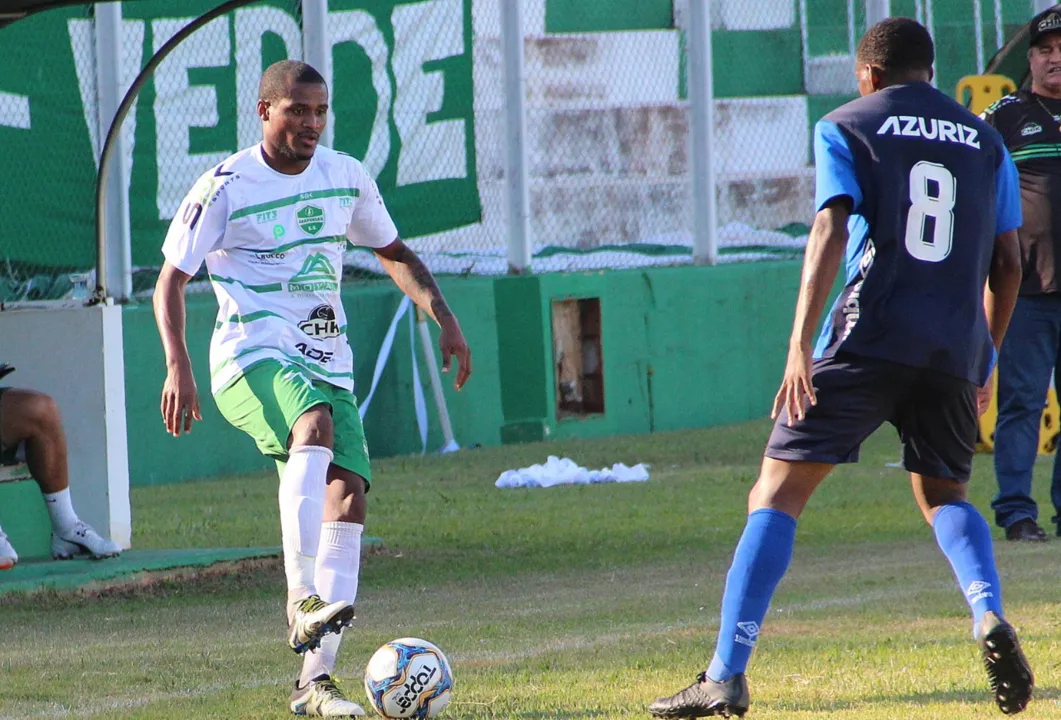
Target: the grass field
(568, 602)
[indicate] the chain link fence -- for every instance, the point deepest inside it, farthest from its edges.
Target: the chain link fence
(46, 122)
(418, 93)
(607, 137)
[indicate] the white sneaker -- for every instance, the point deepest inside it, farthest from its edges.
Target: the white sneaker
(82, 540)
(322, 698)
(8, 556)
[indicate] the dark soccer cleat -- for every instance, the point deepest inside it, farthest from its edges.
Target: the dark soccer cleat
(1008, 670)
(706, 698)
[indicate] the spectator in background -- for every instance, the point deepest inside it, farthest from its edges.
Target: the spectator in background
(31, 431)
(1030, 124)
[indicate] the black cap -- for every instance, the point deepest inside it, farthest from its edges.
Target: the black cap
(1046, 22)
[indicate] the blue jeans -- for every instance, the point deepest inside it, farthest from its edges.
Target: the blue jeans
(1030, 353)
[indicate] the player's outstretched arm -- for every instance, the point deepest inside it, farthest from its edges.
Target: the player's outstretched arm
(825, 251)
(180, 398)
(1003, 285)
(411, 275)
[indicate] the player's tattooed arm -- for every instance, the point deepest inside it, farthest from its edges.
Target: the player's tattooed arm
(414, 279)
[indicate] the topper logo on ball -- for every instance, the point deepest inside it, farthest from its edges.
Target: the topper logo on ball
(414, 686)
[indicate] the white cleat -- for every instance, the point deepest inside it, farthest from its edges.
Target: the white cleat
(81, 540)
(8, 556)
(322, 698)
(311, 619)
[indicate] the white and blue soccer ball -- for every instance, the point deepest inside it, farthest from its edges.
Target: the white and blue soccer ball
(408, 678)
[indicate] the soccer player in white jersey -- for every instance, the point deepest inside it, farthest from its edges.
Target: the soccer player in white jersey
(272, 222)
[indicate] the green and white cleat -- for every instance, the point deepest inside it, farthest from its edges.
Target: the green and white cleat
(323, 698)
(312, 619)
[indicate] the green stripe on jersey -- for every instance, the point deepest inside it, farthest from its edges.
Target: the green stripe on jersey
(1038, 150)
(284, 202)
(271, 287)
(293, 359)
(242, 353)
(307, 241)
(248, 318)
(302, 362)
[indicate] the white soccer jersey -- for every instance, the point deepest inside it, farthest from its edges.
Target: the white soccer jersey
(273, 246)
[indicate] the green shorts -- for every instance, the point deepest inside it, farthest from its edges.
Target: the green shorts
(267, 399)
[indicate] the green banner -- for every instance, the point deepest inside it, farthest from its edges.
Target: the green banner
(402, 96)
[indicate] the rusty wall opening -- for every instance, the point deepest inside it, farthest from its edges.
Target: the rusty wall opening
(577, 357)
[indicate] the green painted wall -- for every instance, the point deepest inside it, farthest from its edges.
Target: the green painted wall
(683, 347)
(25, 520)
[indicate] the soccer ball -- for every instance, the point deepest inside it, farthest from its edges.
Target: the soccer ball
(408, 678)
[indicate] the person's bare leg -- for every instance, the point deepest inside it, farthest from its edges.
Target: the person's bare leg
(33, 418)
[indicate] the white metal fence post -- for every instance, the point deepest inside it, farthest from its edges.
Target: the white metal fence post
(317, 51)
(517, 201)
(108, 39)
(702, 109)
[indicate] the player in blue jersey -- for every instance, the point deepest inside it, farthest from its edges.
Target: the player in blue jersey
(920, 199)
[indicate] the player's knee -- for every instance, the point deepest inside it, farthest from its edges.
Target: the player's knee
(934, 493)
(785, 486)
(36, 414)
(314, 427)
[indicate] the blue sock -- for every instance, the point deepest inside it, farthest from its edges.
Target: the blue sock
(759, 563)
(965, 538)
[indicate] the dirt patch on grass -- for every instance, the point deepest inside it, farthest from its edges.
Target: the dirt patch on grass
(228, 577)
(222, 577)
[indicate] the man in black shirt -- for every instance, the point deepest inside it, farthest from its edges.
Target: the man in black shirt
(1030, 124)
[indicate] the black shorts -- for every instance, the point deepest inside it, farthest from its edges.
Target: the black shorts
(934, 413)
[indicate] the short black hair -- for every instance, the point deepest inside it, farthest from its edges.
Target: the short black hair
(280, 76)
(897, 46)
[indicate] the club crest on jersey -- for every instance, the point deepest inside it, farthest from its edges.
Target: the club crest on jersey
(321, 323)
(1031, 129)
(930, 129)
(310, 219)
(317, 274)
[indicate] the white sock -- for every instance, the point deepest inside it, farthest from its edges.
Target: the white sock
(61, 510)
(338, 564)
(301, 509)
